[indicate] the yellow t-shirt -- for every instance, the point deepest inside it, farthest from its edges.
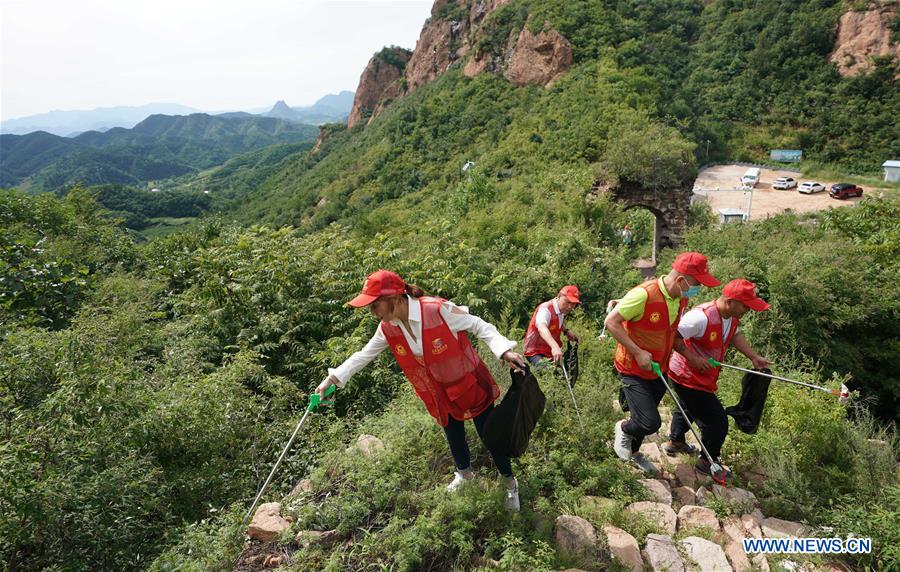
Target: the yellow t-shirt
(631, 306)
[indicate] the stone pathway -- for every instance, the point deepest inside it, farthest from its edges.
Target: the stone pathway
(675, 504)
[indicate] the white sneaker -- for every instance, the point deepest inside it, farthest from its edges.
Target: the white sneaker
(512, 496)
(644, 464)
(458, 481)
(622, 442)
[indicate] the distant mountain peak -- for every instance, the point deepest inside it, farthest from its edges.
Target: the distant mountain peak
(280, 107)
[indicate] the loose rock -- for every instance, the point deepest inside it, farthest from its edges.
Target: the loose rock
(659, 490)
(708, 555)
(692, 516)
(574, 536)
(684, 495)
(369, 445)
(662, 554)
(658, 513)
(267, 523)
(624, 548)
(777, 528)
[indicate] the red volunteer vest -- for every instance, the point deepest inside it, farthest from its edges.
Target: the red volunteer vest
(449, 378)
(712, 344)
(652, 333)
(534, 343)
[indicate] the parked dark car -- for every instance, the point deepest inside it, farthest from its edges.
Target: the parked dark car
(845, 191)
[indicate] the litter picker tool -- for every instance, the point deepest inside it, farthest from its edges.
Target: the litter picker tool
(314, 402)
(843, 392)
(571, 393)
(714, 467)
(603, 335)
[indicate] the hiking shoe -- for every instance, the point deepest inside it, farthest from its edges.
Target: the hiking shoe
(458, 481)
(720, 475)
(622, 442)
(673, 448)
(512, 496)
(644, 464)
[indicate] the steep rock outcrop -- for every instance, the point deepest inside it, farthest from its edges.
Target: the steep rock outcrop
(539, 59)
(379, 77)
(863, 36)
(449, 36)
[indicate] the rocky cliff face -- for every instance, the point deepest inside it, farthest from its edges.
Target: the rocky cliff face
(451, 35)
(377, 82)
(863, 36)
(539, 59)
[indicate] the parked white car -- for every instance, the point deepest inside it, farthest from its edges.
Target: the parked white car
(784, 183)
(751, 177)
(810, 187)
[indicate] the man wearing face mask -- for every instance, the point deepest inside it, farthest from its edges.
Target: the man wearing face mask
(708, 330)
(644, 324)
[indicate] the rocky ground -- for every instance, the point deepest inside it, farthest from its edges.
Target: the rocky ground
(693, 535)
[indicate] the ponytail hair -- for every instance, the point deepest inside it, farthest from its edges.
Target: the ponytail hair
(414, 291)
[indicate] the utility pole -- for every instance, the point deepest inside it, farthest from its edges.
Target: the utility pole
(750, 205)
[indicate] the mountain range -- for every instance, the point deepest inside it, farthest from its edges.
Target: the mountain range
(331, 107)
(158, 147)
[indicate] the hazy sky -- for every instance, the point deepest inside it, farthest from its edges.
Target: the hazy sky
(212, 55)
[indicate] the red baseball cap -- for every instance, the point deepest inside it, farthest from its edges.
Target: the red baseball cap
(379, 283)
(694, 264)
(744, 291)
(571, 293)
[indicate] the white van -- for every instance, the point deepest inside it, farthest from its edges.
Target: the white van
(751, 177)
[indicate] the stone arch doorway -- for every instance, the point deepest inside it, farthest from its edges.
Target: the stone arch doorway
(670, 208)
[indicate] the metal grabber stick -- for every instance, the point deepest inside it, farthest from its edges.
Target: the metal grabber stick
(314, 402)
(843, 392)
(714, 467)
(603, 335)
(562, 362)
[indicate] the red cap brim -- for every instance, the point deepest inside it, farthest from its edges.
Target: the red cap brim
(757, 304)
(707, 279)
(362, 300)
(572, 299)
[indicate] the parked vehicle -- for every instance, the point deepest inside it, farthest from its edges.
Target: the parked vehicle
(845, 191)
(784, 183)
(751, 177)
(810, 187)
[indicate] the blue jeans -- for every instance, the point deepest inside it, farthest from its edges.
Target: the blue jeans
(459, 448)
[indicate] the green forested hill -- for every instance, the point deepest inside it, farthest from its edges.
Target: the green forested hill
(159, 147)
(735, 78)
(146, 391)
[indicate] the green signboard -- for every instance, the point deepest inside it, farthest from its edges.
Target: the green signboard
(786, 155)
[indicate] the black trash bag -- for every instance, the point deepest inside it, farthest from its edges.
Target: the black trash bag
(748, 412)
(570, 359)
(511, 423)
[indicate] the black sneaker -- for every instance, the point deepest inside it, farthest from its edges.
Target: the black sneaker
(673, 448)
(720, 474)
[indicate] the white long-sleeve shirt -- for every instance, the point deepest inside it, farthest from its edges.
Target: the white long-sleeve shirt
(457, 318)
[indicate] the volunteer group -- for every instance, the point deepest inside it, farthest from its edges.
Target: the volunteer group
(651, 325)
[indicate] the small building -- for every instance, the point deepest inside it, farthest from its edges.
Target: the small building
(731, 215)
(891, 171)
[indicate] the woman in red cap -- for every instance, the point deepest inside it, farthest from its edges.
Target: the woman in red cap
(427, 336)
